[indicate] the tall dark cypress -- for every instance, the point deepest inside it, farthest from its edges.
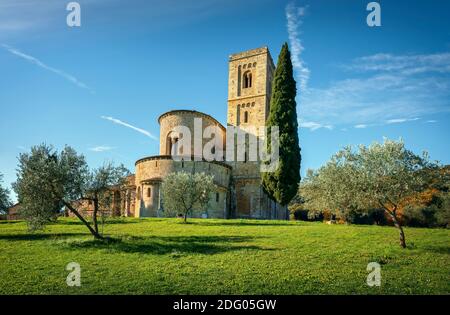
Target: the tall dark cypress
(282, 185)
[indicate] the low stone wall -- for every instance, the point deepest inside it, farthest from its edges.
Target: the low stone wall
(151, 171)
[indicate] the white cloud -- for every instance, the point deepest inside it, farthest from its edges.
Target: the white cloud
(42, 65)
(23, 17)
(432, 121)
(376, 95)
(360, 126)
(101, 148)
(314, 125)
(400, 120)
(405, 64)
(294, 17)
(122, 123)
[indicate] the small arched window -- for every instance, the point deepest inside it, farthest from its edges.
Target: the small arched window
(245, 117)
(217, 197)
(247, 79)
(149, 192)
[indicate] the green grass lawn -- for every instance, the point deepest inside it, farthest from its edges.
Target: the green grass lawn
(164, 256)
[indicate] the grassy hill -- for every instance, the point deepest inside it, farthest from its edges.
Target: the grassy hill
(163, 256)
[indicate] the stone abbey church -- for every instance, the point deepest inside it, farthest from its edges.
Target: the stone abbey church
(239, 192)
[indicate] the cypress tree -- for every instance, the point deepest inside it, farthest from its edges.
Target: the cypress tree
(282, 185)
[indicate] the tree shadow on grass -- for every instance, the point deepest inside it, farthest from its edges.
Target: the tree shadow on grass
(109, 221)
(174, 245)
(10, 222)
(438, 249)
(39, 236)
(242, 223)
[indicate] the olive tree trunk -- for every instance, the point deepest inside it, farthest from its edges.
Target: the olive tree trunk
(400, 228)
(94, 215)
(82, 219)
(393, 215)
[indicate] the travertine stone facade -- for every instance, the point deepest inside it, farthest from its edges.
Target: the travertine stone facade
(171, 120)
(150, 173)
(249, 91)
(239, 193)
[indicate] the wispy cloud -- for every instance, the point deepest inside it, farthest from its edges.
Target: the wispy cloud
(101, 148)
(360, 126)
(42, 65)
(431, 121)
(22, 17)
(294, 17)
(405, 64)
(314, 125)
(400, 120)
(382, 89)
(122, 123)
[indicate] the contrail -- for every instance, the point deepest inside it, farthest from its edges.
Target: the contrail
(119, 122)
(39, 63)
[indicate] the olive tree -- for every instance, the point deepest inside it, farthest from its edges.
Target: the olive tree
(183, 193)
(5, 201)
(379, 176)
(48, 180)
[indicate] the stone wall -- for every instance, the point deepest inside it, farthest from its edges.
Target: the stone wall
(248, 109)
(240, 193)
(150, 173)
(170, 120)
(254, 99)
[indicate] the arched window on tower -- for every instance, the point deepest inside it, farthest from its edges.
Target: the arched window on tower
(245, 117)
(247, 80)
(149, 192)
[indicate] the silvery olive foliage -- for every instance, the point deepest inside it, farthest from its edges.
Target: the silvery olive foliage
(48, 180)
(185, 193)
(5, 201)
(379, 176)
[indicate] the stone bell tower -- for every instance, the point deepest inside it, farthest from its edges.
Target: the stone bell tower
(249, 87)
(250, 77)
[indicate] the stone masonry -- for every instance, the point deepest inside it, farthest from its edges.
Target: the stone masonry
(239, 193)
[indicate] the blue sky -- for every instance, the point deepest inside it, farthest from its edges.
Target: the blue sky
(130, 61)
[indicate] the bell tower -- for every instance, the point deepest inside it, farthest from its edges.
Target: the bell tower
(250, 77)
